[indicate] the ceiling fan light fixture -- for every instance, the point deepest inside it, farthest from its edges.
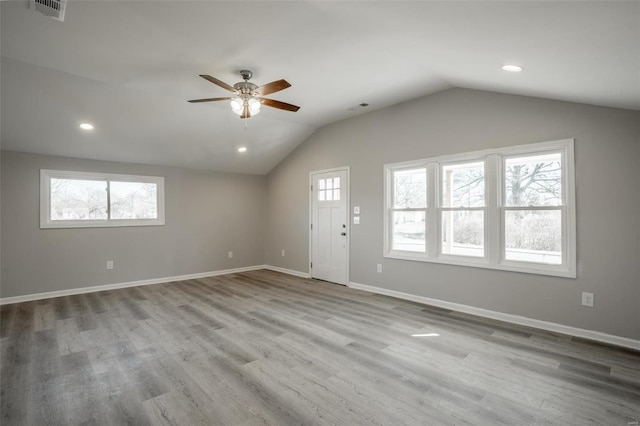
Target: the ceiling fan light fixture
(254, 106)
(247, 97)
(237, 105)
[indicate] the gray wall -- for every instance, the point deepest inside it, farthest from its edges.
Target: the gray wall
(207, 215)
(211, 213)
(459, 120)
(0, 220)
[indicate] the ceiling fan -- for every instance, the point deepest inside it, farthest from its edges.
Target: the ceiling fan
(249, 97)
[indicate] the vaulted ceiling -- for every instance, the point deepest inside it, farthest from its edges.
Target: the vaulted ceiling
(129, 67)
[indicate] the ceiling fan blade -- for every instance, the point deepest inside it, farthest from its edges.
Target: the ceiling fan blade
(193, 101)
(280, 105)
(273, 87)
(245, 112)
(218, 82)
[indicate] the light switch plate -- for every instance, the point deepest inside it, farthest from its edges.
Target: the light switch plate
(356, 220)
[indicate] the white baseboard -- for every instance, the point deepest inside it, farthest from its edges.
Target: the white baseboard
(514, 319)
(93, 289)
(287, 271)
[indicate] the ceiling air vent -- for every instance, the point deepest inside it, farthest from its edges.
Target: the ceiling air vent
(52, 8)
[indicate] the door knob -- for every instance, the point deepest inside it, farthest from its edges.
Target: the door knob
(344, 234)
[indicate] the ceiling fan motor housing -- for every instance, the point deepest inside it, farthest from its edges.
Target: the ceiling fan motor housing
(245, 88)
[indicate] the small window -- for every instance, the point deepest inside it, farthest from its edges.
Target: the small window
(81, 199)
(329, 189)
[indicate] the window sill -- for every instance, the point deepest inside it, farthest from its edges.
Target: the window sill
(101, 224)
(538, 269)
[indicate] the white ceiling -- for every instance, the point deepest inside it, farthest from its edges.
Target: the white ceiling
(129, 67)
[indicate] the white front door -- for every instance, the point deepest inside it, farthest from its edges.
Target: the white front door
(329, 225)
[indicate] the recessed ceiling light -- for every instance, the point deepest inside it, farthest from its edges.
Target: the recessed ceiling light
(512, 68)
(242, 149)
(86, 126)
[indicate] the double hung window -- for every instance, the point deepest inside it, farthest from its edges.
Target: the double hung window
(462, 208)
(409, 210)
(533, 208)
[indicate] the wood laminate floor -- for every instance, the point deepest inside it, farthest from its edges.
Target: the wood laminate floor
(266, 348)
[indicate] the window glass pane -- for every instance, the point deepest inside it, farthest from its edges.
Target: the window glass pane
(336, 182)
(78, 199)
(463, 233)
(410, 188)
(534, 180)
(463, 185)
(329, 183)
(408, 231)
(321, 183)
(336, 195)
(329, 195)
(134, 200)
(533, 236)
(321, 195)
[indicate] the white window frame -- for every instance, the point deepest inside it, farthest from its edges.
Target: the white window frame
(494, 232)
(391, 202)
(440, 208)
(45, 199)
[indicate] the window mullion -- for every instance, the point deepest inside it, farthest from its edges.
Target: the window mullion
(493, 217)
(108, 199)
(433, 222)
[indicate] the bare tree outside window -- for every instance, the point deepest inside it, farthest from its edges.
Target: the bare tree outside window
(463, 185)
(410, 188)
(533, 181)
(133, 200)
(463, 200)
(534, 232)
(410, 203)
(511, 208)
(78, 199)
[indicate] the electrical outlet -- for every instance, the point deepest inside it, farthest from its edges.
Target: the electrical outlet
(282, 252)
(379, 268)
(587, 299)
(230, 255)
(109, 264)
(356, 210)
